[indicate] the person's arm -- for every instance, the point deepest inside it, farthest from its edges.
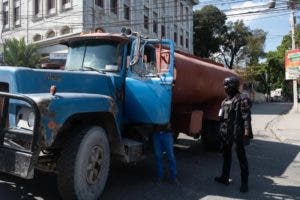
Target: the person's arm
(246, 115)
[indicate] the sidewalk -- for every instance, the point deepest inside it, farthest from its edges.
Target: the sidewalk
(287, 127)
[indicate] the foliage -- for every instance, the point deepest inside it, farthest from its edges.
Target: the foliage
(209, 26)
(255, 77)
(255, 46)
(242, 46)
(18, 53)
(275, 62)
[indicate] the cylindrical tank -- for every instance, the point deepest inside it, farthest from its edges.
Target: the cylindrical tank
(197, 93)
(198, 81)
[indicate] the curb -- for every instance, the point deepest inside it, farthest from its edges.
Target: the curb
(272, 125)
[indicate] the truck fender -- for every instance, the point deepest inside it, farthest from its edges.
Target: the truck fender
(57, 109)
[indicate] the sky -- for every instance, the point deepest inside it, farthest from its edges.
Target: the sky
(256, 14)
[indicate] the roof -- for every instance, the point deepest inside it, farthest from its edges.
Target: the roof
(95, 36)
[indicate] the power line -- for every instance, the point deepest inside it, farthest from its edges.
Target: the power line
(117, 23)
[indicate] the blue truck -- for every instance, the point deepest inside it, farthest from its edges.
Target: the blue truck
(114, 91)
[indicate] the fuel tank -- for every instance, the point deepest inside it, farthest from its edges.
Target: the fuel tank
(198, 81)
(198, 92)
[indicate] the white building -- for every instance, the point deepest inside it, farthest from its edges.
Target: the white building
(45, 22)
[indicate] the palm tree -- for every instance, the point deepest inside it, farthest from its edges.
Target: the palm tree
(18, 53)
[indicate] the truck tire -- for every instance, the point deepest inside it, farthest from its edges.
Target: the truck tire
(83, 166)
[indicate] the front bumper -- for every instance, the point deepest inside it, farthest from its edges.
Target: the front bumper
(19, 148)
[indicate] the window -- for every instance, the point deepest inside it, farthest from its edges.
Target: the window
(65, 30)
(163, 28)
(37, 37)
(51, 7)
(175, 34)
(65, 2)
(187, 16)
(187, 40)
(114, 6)
(175, 7)
(154, 22)
(50, 4)
(50, 34)
(181, 12)
(146, 2)
(5, 13)
(181, 37)
(163, 6)
(163, 31)
(146, 17)
(154, 3)
(102, 56)
(16, 13)
(126, 12)
(36, 7)
(100, 3)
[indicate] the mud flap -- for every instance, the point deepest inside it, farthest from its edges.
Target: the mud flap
(16, 163)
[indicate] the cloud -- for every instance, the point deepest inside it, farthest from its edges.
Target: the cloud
(247, 11)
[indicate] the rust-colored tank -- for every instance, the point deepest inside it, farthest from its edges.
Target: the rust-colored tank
(197, 93)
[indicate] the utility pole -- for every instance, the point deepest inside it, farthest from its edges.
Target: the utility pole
(292, 20)
(292, 4)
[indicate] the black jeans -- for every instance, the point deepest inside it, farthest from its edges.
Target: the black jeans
(241, 154)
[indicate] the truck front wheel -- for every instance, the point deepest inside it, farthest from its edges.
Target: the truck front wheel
(83, 166)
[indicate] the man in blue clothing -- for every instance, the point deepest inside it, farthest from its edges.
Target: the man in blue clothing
(163, 142)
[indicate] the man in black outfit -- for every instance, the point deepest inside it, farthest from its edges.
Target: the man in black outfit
(235, 127)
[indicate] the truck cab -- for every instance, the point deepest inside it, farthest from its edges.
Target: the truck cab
(114, 91)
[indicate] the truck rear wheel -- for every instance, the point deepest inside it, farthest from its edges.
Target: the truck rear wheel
(83, 166)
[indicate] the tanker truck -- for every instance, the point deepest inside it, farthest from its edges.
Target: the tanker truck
(115, 90)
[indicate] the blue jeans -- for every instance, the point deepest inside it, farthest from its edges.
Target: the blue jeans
(163, 141)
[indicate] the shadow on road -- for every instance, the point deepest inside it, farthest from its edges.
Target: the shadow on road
(197, 168)
(268, 108)
(43, 186)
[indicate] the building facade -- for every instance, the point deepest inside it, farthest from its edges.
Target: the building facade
(45, 22)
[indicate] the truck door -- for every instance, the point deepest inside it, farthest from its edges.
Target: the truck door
(148, 85)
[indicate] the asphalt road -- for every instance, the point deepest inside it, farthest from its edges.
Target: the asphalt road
(274, 171)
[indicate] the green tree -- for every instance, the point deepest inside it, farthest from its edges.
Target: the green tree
(275, 62)
(18, 53)
(235, 41)
(255, 47)
(209, 26)
(255, 77)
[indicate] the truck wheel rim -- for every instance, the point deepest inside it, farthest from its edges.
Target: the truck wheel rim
(94, 165)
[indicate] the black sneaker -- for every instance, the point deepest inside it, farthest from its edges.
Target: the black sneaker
(244, 188)
(222, 180)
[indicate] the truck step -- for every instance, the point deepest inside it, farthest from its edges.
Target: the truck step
(134, 150)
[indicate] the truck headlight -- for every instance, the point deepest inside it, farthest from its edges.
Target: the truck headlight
(25, 118)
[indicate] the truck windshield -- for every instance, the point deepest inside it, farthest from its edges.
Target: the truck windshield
(97, 55)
